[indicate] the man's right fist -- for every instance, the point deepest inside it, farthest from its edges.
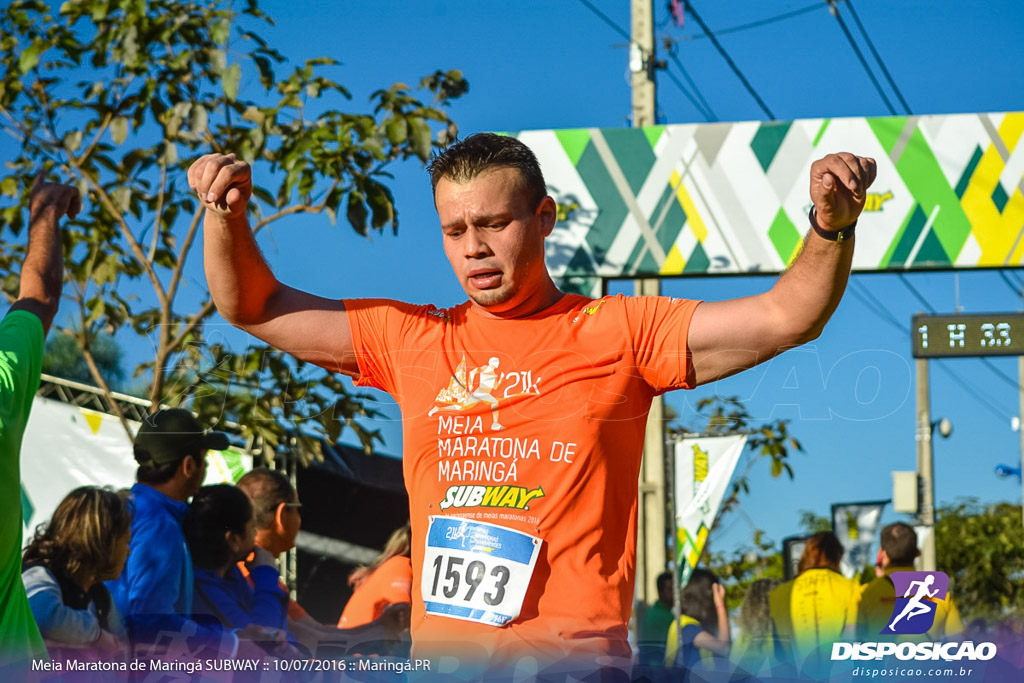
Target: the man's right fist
(222, 182)
(64, 199)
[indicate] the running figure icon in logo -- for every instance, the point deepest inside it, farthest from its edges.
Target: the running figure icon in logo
(916, 596)
(462, 393)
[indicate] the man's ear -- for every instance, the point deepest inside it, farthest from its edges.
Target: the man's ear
(548, 213)
(188, 466)
(279, 518)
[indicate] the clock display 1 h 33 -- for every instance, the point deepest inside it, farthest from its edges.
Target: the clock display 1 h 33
(952, 335)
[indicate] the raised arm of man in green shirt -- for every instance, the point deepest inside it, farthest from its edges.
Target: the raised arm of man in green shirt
(22, 332)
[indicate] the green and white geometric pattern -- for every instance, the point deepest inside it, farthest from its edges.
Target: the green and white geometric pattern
(733, 197)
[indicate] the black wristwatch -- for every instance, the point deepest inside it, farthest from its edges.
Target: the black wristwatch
(837, 236)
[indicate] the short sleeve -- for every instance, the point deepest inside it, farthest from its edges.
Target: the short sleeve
(658, 328)
(379, 326)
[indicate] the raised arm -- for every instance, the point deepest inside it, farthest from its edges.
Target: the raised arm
(729, 336)
(245, 290)
(42, 273)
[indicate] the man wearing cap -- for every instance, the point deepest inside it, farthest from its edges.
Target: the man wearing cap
(154, 591)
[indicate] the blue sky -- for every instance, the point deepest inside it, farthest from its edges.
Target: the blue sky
(539, 64)
(850, 396)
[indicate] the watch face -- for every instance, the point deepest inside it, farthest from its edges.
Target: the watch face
(989, 334)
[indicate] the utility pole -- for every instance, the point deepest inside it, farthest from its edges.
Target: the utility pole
(1020, 383)
(925, 462)
(652, 542)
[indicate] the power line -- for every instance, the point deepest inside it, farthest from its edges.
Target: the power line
(981, 398)
(860, 56)
(728, 59)
(1013, 288)
(917, 294)
(709, 114)
(605, 18)
(753, 24)
(865, 295)
(689, 96)
(861, 292)
(878, 57)
(1002, 375)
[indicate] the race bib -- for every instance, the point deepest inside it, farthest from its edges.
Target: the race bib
(476, 571)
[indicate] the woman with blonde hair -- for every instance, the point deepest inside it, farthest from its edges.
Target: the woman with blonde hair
(753, 652)
(64, 566)
(386, 581)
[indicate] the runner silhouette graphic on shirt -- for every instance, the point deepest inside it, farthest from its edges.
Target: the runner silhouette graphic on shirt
(915, 606)
(465, 392)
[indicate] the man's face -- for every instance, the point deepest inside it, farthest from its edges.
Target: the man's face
(665, 593)
(291, 520)
(494, 238)
(196, 481)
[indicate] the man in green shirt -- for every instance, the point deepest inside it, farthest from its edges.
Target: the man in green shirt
(22, 332)
(654, 627)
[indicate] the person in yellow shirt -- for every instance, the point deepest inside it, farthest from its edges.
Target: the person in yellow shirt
(812, 611)
(898, 550)
(703, 626)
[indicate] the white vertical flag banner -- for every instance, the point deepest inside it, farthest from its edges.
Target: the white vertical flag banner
(67, 446)
(703, 469)
(856, 527)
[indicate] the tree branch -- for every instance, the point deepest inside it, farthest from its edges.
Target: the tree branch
(294, 209)
(159, 212)
(203, 313)
(125, 230)
(179, 267)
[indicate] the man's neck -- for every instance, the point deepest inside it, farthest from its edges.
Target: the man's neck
(544, 298)
(266, 541)
(172, 489)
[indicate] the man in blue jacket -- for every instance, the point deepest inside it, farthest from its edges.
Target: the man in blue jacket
(154, 592)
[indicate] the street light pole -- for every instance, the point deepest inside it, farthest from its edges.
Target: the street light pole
(925, 461)
(1020, 384)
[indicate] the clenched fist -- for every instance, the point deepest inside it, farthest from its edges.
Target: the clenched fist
(839, 186)
(222, 182)
(64, 199)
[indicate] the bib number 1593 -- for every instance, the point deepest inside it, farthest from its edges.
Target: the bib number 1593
(476, 571)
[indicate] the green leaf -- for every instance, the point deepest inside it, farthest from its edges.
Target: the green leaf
(220, 31)
(73, 140)
(119, 129)
(421, 137)
(122, 197)
(200, 119)
(397, 131)
(230, 80)
(29, 57)
(357, 211)
(9, 186)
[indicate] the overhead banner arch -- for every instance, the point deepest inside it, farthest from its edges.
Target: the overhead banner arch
(732, 198)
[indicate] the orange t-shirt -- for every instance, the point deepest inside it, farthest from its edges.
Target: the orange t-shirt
(536, 425)
(390, 583)
(295, 610)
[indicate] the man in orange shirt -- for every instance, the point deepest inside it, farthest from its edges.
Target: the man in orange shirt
(276, 509)
(524, 529)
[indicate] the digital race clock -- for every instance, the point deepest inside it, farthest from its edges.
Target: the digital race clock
(988, 334)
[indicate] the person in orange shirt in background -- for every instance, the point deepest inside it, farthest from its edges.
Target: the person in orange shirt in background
(386, 581)
(276, 509)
